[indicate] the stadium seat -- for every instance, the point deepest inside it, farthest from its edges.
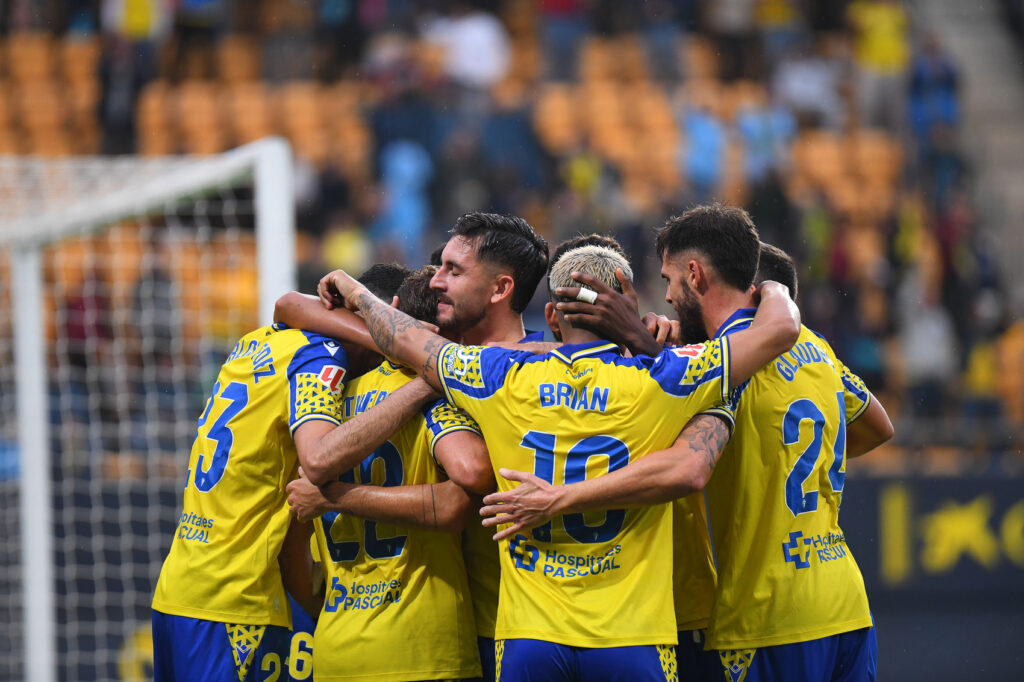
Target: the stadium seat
(30, 57)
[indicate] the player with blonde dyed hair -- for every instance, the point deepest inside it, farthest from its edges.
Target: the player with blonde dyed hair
(598, 261)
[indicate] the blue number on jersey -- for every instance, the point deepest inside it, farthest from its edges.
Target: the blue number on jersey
(798, 412)
(543, 446)
(376, 548)
(237, 394)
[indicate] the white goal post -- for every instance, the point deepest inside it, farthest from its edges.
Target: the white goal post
(45, 202)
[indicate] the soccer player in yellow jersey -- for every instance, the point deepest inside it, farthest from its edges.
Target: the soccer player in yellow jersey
(220, 610)
(582, 599)
(397, 594)
(489, 270)
(790, 600)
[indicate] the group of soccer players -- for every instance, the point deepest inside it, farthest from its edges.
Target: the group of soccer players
(601, 450)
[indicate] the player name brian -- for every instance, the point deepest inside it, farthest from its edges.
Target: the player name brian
(558, 394)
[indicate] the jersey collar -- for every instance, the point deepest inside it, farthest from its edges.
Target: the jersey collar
(741, 316)
(571, 352)
(532, 336)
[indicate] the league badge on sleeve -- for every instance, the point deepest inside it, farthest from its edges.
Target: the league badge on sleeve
(332, 376)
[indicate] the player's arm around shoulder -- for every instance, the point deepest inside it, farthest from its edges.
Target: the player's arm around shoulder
(325, 450)
(775, 329)
(436, 506)
(661, 476)
(301, 311)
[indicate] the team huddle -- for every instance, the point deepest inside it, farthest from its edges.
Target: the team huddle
(659, 498)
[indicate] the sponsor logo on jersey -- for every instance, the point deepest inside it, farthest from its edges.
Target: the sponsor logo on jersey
(332, 376)
(362, 596)
(331, 347)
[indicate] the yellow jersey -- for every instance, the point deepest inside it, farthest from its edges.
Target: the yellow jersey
(397, 604)
(785, 573)
(597, 579)
(222, 565)
(483, 567)
(693, 566)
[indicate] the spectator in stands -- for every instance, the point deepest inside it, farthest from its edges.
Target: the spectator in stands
(197, 26)
(340, 37)
(881, 50)
(563, 25)
(406, 170)
(704, 149)
(781, 26)
(132, 32)
(806, 82)
(928, 345)
(934, 82)
(477, 49)
(731, 23)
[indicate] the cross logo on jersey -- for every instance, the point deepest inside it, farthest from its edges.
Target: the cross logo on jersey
(331, 376)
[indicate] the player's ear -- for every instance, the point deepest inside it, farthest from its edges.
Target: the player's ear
(698, 276)
(551, 318)
(394, 301)
(504, 285)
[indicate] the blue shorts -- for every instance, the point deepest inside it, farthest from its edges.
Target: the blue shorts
(486, 646)
(186, 649)
(694, 662)
(847, 657)
(531, 660)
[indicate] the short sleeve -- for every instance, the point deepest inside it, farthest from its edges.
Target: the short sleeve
(856, 394)
(316, 382)
(698, 369)
(444, 418)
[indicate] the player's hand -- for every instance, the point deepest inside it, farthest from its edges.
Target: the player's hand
(528, 505)
(305, 500)
(665, 331)
(769, 286)
(336, 288)
(615, 316)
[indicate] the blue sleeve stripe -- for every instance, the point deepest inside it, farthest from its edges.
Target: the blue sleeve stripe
(862, 410)
(447, 348)
(726, 369)
(314, 417)
(453, 429)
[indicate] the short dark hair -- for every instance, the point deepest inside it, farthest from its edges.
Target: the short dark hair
(383, 279)
(579, 240)
(435, 255)
(416, 298)
(775, 264)
(508, 241)
(725, 235)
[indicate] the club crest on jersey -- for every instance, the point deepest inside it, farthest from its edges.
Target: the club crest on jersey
(332, 376)
(694, 350)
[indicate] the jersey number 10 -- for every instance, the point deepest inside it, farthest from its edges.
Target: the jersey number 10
(543, 446)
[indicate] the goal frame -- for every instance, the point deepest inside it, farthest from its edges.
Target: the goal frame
(269, 162)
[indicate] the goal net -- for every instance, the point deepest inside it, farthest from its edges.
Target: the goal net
(124, 282)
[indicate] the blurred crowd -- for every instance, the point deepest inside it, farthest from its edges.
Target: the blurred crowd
(836, 123)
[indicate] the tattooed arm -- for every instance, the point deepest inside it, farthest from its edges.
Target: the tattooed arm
(661, 476)
(397, 335)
